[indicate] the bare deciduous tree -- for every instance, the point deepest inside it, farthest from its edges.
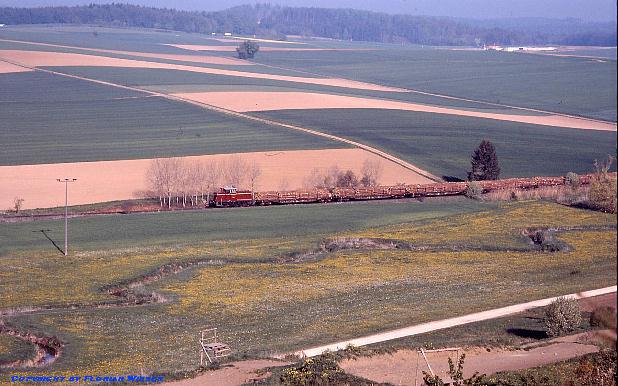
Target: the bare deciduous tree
(284, 184)
(330, 179)
(333, 177)
(253, 173)
(163, 178)
(183, 182)
(18, 203)
(371, 172)
(235, 171)
(212, 177)
(347, 179)
(315, 179)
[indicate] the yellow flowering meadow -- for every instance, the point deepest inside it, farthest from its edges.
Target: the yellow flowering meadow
(263, 304)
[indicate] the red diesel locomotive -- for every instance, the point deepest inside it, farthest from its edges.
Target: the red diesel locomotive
(231, 196)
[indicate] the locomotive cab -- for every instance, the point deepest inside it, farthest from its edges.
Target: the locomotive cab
(231, 196)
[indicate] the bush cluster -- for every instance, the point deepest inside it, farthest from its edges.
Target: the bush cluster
(604, 317)
(547, 242)
(572, 180)
(474, 190)
(322, 370)
(602, 195)
(562, 316)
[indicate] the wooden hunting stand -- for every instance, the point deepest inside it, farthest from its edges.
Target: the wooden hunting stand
(211, 349)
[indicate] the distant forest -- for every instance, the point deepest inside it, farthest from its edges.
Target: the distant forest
(347, 24)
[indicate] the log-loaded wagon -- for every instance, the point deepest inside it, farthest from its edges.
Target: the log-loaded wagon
(230, 196)
(292, 197)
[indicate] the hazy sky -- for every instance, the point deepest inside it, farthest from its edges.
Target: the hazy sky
(584, 9)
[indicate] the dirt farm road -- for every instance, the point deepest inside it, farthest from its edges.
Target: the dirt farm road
(232, 374)
(445, 323)
(405, 367)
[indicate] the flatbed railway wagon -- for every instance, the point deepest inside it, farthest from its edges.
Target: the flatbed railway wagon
(437, 189)
(292, 197)
(231, 196)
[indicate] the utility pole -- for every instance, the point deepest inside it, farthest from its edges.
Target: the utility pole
(66, 212)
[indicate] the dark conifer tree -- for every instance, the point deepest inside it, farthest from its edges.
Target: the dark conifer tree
(484, 163)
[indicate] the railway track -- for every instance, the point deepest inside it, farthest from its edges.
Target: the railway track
(321, 196)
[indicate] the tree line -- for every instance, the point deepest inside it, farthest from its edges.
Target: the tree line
(334, 177)
(177, 181)
(182, 182)
(274, 21)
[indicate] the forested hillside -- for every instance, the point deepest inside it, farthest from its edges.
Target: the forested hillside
(347, 24)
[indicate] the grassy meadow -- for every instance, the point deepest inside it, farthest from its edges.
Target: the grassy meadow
(264, 303)
(12, 349)
(442, 144)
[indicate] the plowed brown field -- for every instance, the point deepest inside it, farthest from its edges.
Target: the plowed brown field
(242, 101)
(6, 68)
(60, 59)
(116, 180)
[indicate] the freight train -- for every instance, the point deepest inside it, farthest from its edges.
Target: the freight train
(231, 196)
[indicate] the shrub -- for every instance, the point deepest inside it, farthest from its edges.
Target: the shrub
(597, 369)
(546, 241)
(456, 374)
(474, 190)
(590, 370)
(602, 195)
(604, 317)
(561, 316)
(347, 180)
(572, 180)
(313, 371)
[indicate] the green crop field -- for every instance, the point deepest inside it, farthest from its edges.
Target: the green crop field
(232, 224)
(88, 122)
(567, 85)
(443, 144)
(135, 55)
(173, 81)
(262, 301)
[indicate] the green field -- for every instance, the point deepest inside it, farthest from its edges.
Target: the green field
(90, 122)
(135, 55)
(567, 85)
(262, 302)
(84, 122)
(173, 81)
(443, 144)
(165, 229)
